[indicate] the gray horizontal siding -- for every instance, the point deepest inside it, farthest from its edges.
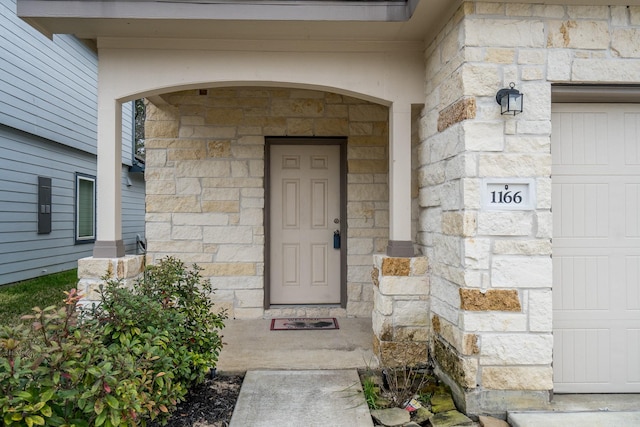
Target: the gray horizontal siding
(24, 253)
(49, 87)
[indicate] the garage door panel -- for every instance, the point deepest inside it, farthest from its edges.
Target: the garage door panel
(596, 247)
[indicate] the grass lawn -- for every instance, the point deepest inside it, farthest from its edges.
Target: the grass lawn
(17, 299)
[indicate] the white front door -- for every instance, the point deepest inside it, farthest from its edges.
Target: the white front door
(596, 247)
(304, 214)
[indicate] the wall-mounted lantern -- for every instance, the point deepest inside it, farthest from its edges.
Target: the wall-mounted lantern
(510, 100)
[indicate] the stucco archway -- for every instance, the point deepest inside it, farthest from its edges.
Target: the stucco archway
(384, 73)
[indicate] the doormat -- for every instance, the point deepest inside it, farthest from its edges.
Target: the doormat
(292, 324)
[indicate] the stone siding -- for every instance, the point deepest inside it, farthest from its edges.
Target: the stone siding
(490, 270)
(205, 185)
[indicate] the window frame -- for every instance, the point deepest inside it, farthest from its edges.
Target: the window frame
(89, 238)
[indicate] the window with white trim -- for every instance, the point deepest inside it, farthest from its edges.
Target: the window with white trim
(85, 208)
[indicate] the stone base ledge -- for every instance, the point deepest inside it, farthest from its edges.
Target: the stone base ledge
(393, 354)
(494, 402)
(92, 271)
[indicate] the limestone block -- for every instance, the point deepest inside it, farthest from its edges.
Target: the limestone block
(486, 8)
(174, 247)
(396, 266)
(476, 279)
(521, 272)
(300, 127)
(471, 195)
(505, 223)
(483, 136)
(359, 308)
(634, 15)
(382, 304)
(446, 292)
(587, 12)
(500, 55)
(419, 265)
(240, 169)
(331, 126)
(162, 129)
(490, 300)
(184, 186)
(360, 246)
(394, 354)
(297, 107)
(532, 73)
(462, 370)
(548, 11)
(368, 113)
(223, 116)
(493, 321)
(186, 232)
(247, 151)
(395, 285)
(477, 253)
(504, 32)
(545, 225)
(411, 334)
(432, 174)
(249, 298)
(228, 269)
(462, 109)
(354, 291)
(516, 349)
(368, 192)
(221, 206)
(538, 99)
(522, 247)
(528, 144)
(540, 310)
(448, 249)
(532, 56)
(237, 282)
(580, 34)
(228, 234)
(559, 64)
(451, 195)
(203, 168)
(624, 42)
(156, 158)
(514, 165)
(517, 378)
(172, 203)
(174, 155)
(211, 219)
(605, 70)
(158, 231)
(240, 253)
(619, 16)
(480, 80)
(538, 127)
(251, 216)
(451, 44)
(95, 268)
(210, 193)
(360, 274)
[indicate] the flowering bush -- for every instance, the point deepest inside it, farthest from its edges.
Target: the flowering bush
(128, 360)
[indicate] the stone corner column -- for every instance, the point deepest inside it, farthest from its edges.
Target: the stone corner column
(92, 272)
(400, 315)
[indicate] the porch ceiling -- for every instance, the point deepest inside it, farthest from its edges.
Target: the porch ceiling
(396, 20)
(245, 20)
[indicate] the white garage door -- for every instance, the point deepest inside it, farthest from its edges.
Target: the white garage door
(596, 247)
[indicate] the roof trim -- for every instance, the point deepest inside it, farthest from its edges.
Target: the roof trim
(257, 10)
(587, 93)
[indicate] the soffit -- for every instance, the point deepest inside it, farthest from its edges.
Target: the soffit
(409, 20)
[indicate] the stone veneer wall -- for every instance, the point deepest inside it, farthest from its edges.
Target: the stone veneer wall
(491, 271)
(205, 184)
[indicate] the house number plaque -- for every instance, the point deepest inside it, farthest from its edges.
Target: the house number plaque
(508, 194)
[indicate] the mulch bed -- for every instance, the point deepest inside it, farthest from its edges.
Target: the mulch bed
(209, 404)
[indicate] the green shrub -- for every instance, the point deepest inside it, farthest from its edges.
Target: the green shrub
(129, 360)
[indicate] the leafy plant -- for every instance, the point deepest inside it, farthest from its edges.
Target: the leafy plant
(128, 360)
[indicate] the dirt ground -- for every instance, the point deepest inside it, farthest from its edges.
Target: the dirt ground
(209, 404)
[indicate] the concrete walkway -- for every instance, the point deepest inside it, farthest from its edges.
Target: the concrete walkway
(309, 378)
(301, 398)
(250, 345)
